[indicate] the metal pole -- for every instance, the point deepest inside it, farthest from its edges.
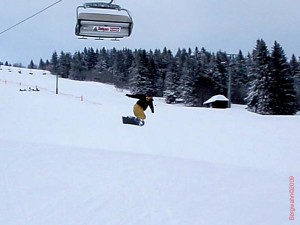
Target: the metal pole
(229, 88)
(231, 64)
(56, 84)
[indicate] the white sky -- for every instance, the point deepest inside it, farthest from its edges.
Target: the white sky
(228, 25)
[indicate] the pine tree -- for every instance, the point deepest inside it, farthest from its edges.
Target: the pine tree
(162, 60)
(154, 80)
(295, 73)
(64, 64)
(42, 65)
(141, 81)
(188, 79)
(282, 91)
(220, 73)
(47, 65)
(54, 63)
(272, 91)
(181, 60)
(77, 67)
(258, 94)
(128, 63)
(172, 82)
(202, 84)
(90, 57)
(32, 65)
(102, 66)
(239, 79)
(120, 77)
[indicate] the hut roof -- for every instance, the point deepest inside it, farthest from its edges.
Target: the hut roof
(216, 98)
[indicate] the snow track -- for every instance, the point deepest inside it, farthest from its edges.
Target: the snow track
(64, 161)
(58, 185)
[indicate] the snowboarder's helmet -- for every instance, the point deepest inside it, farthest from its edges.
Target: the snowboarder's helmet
(149, 94)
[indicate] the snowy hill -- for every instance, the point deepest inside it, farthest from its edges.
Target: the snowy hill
(67, 159)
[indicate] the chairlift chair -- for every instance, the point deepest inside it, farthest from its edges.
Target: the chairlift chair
(102, 25)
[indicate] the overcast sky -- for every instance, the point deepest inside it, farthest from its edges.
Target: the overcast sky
(227, 25)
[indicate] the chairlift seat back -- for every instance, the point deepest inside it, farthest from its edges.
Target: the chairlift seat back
(103, 25)
(104, 17)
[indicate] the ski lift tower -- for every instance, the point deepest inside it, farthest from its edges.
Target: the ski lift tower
(231, 64)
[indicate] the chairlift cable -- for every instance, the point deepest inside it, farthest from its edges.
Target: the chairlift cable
(28, 18)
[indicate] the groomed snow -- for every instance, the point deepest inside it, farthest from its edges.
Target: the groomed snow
(67, 159)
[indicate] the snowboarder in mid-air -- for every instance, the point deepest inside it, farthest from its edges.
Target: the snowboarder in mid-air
(141, 105)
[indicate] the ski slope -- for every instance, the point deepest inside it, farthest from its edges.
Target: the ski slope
(67, 159)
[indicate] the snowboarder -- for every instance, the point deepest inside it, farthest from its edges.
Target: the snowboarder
(142, 104)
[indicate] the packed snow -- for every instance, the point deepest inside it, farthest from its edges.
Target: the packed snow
(67, 159)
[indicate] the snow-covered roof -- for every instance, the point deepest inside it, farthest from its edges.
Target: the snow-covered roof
(216, 98)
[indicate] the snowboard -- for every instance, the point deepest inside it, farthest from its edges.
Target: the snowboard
(132, 121)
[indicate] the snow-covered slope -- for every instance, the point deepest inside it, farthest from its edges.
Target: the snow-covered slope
(68, 159)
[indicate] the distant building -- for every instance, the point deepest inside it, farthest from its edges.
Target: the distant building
(217, 101)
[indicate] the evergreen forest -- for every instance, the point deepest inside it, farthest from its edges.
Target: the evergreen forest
(264, 79)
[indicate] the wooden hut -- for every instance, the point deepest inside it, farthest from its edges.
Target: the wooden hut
(217, 101)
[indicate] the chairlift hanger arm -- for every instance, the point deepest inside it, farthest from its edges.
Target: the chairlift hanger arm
(102, 5)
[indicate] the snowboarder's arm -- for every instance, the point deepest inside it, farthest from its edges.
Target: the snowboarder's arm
(138, 96)
(151, 106)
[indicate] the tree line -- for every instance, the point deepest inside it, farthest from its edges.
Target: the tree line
(264, 79)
